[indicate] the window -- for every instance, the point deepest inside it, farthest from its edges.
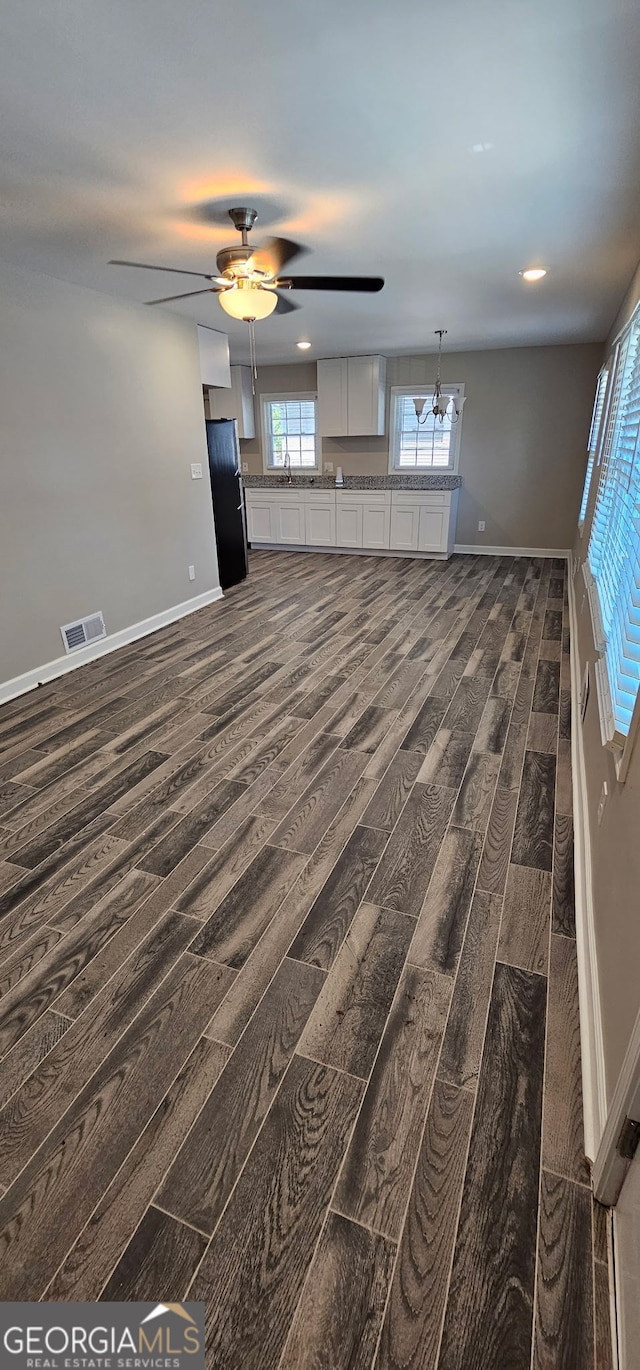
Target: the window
(613, 571)
(593, 444)
(289, 431)
(427, 446)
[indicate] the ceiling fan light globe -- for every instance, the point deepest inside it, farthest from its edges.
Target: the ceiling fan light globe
(248, 301)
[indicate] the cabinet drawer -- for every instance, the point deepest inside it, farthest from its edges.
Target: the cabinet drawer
(433, 499)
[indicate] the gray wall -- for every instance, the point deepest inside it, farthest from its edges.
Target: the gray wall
(525, 429)
(615, 842)
(101, 415)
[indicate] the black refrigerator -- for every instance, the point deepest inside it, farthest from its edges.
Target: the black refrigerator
(228, 500)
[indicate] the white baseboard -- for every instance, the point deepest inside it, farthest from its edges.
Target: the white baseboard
(514, 551)
(594, 1090)
(62, 664)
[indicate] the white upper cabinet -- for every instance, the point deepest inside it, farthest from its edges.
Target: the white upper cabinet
(236, 403)
(214, 356)
(351, 397)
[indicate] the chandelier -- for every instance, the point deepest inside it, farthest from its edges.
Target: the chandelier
(441, 406)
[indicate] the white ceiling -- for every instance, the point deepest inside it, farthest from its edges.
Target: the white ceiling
(350, 125)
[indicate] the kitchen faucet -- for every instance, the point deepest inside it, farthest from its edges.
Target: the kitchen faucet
(287, 467)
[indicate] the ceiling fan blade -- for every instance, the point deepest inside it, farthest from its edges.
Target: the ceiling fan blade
(211, 290)
(273, 255)
(361, 283)
(284, 305)
(178, 271)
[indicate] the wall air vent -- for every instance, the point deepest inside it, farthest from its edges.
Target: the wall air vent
(83, 632)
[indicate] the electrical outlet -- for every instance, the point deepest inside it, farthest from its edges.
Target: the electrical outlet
(481, 526)
(192, 573)
(245, 468)
(196, 470)
(603, 800)
(328, 468)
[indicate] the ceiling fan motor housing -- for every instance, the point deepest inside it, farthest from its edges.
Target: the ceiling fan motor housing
(233, 259)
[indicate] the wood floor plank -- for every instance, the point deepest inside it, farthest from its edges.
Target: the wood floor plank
(203, 894)
(111, 1226)
(563, 1141)
(378, 1169)
(186, 834)
(403, 875)
(29, 1051)
(162, 1254)
(533, 835)
(439, 933)
(42, 1099)
(71, 1171)
(543, 733)
(253, 1273)
(393, 791)
(604, 1352)
(446, 760)
(492, 875)
(255, 976)
(202, 1177)
(347, 1023)
(422, 732)
(59, 832)
(283, 794)
(473, 804)
(489, 1315)
(464, 1037)
(338, 1318)
(370, 729)
(328, 921)
(413, 1321)
(231, 933)
(311, 815)
(564, 1325)
(547, 688)
(526, 918)
(40, 989)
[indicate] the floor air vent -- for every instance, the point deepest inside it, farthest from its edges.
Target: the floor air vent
(83, 631)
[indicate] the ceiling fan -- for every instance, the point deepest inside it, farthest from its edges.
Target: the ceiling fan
(250, 278)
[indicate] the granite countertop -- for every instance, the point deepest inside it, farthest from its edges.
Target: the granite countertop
(432, 481)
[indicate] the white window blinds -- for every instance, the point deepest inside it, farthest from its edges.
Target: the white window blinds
(290, 431)
(428, 443)
(594, 440)
(614, 545)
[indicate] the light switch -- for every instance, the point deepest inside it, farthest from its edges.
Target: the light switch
(481, 526)
(192, 573)
(196, 470)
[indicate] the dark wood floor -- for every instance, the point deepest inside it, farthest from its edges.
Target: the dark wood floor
(289, 1015)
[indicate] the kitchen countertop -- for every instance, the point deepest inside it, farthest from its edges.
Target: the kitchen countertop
(432, 481)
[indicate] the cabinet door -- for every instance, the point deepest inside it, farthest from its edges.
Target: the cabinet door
(349, 522)
(376, 519)
(320, 523)
(290, 521)
(332, 397)
(434, 526)
(405, 522)
(260, 520)
(366, 379)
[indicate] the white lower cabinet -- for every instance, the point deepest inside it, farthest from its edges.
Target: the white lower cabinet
(261, 523)
(421, 522)
(405, 527)
(290, 522)
(320, 519)
(376, 520)
(349, 519)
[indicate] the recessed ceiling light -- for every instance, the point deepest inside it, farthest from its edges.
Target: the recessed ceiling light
(482, 147)
(303, 346)
(533, 273)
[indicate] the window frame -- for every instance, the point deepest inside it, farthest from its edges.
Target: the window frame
(596, 434)
(626, 352)
(453, 388)
(285, 397)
